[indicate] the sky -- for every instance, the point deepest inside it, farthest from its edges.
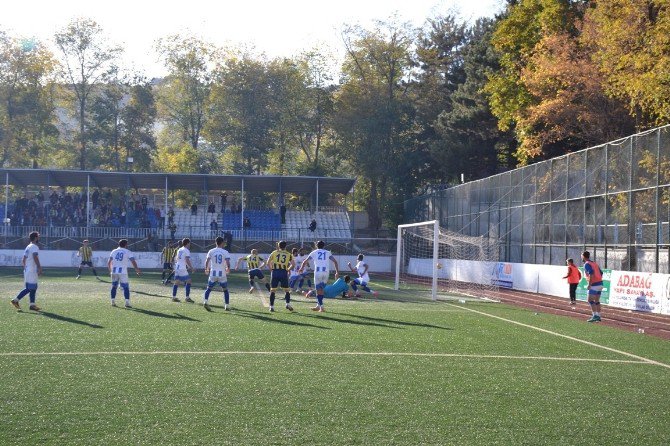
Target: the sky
(275, 28)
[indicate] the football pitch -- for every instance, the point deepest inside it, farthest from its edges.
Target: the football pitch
(395, 370)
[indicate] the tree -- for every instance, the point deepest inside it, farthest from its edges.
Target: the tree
(471, 142)
(631, 49)
(183, 96)
(27, 102)
(89, 62)
(372, 113)
(138, 118)
(571, 109)
(243, 111)
(516, 35)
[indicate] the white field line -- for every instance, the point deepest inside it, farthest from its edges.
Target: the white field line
(306, 353)
(543, 330)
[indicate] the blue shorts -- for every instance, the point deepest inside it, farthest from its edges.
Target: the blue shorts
(255, 273)
(31, 286)
(183, 278)
(211, 284)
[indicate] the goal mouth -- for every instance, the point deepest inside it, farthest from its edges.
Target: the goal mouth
(432, 260)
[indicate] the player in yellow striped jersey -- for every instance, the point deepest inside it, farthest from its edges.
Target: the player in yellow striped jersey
(254, 264)
(86, 254)
(171, 253)
(167, 255)
(280, 263)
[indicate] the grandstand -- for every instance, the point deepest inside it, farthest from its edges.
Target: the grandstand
(73, 205)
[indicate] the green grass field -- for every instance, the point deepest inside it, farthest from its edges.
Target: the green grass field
(399, 370)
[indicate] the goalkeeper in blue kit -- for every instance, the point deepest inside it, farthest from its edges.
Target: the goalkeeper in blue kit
(340, 286)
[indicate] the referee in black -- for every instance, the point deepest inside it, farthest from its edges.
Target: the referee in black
(86, 255)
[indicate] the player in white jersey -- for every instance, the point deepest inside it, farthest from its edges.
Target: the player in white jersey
(182, 262)
(363, 279)
(118, 268)
(300, 279)
(31, 270)
(321, 258)
(217, 265)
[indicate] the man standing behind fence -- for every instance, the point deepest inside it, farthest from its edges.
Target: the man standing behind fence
(86, 255)
(573, 276)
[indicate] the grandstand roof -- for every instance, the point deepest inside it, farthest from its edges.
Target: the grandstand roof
(186, 181)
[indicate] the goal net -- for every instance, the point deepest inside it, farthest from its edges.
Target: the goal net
(445, 264)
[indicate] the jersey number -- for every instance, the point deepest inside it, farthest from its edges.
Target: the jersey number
(283, 258)
(119, 256)
(321, 255)
(218, 258)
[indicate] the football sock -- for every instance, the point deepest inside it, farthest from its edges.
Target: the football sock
(32, 296)
(21, 294)
(174, 290)
(207, 291)
(79, 272)
(319, 299)
(188, 289)
(226, 296)
(287, 297)
(126, 292)
(365, 288)
(251, 282)
(272, 298)
(267, 286)
(113, 292)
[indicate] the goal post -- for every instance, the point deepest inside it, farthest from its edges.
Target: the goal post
(431, 261)
(435, 253)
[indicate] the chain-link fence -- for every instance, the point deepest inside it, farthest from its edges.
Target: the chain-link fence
(612, 200)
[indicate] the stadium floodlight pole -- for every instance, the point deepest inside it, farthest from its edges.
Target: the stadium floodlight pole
(6, 195)
(436, 241)
(165, 210)
(88, 200)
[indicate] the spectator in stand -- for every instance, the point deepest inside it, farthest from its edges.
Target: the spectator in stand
(233, 206)
(158, 212)
(170, 215)
(282, 212)
(312, 225)
(194, 208)
(122, 220)
(145, 203)
(224, 199)
(211, 209)
(246, 223)
(214, 226)
(95, 198)
(173, 228)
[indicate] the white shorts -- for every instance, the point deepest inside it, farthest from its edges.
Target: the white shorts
(121, 278)
(321, 278)
(30, 277)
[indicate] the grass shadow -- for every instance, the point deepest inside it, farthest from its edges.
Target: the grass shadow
(392, 321)
(176, 316)
(264, 318)
(322, 316)
(142, 293)
(60, 317)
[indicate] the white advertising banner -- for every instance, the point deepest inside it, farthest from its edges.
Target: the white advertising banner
(639, 291)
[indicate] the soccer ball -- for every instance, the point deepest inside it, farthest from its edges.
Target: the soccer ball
(439, 266)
